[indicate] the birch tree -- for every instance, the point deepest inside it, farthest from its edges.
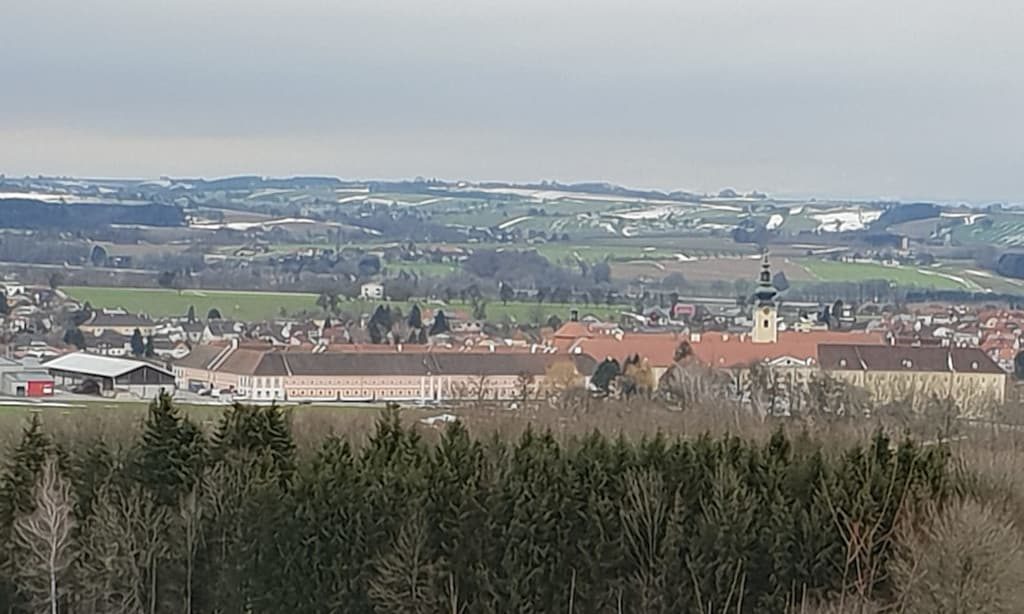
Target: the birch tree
(42, 544)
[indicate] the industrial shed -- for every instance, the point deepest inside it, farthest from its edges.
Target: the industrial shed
(24, 379)
(109, 376)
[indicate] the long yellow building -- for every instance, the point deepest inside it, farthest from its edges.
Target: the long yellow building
(897, 373)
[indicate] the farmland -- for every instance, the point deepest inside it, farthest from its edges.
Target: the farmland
(161, 302)
(826, 270)
(267, 305)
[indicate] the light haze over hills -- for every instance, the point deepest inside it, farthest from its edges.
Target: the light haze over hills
(910, 99)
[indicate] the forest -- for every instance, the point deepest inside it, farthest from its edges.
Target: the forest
(238, 514)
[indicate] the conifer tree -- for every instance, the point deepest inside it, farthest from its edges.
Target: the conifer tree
(137, 343)
(169, 458)
(256, 430)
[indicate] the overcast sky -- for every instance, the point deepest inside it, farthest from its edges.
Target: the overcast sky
(894, 98)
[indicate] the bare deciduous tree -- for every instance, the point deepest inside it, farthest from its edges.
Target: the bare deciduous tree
(968, 560)
(123, 544)
(42, 541)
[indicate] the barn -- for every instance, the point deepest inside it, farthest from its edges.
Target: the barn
(108, 376)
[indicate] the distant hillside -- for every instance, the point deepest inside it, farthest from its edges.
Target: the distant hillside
(26, 213)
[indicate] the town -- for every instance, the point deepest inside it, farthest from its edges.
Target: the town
(766, 353)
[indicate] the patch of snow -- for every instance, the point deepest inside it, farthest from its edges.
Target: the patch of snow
(441, 419)
(846, 220)
(775, 221)
(513, 222)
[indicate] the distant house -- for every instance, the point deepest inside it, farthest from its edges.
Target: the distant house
(117, 321)
(371, 291)
(223, 330)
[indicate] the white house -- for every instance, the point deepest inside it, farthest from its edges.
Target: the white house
(372, 291)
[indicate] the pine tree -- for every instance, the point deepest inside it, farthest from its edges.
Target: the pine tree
(148, 351)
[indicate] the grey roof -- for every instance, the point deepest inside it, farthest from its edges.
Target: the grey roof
(101, 366)
(100, 318)
(29, 376)
(843, 357)
(412, 364)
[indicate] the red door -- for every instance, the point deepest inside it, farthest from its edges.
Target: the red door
(40, 388)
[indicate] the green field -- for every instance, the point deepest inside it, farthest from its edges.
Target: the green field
(827, 270)
(159, 302)
(254, 305)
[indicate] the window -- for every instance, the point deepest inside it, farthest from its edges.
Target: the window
(766, 323)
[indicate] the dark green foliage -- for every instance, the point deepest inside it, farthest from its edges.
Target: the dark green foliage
(138, 345)
(393, 524)
(440, 325)
(605, 374)
(256, 431)
(169, 459)
(74, 336)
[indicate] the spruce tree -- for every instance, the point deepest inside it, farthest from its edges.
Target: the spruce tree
(169, 458)
(137, 343)
(256, 431)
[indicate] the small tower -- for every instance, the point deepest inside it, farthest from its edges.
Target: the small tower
(766, 329)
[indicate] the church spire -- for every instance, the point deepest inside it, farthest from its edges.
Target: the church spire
(766, 291)
(766, 325)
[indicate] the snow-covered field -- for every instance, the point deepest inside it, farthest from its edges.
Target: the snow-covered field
(846, 220)
(513, 222)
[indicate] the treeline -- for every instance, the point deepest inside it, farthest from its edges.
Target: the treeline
(34, 214)
(242, 520)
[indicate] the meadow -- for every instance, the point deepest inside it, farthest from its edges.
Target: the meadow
(158, 302)
(827, 270)
(254, 305)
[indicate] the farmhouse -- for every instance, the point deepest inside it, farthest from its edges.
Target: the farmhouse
(108, 376)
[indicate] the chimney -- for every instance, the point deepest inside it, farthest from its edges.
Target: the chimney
(574, 315)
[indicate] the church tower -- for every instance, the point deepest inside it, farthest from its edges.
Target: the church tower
(766, 327)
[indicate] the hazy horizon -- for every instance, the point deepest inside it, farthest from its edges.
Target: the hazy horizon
(906, 100)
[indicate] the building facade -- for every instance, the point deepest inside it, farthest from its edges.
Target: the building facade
(916, 374)
(385, 375)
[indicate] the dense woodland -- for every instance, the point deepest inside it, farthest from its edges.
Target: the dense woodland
(238, 517)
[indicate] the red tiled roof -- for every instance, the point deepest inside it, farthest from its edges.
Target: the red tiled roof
(726, 350)
(658, 348)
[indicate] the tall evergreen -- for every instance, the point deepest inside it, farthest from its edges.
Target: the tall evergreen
(138, 345)
(170, 456)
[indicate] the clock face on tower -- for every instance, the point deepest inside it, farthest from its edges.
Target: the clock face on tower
(765, 311)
